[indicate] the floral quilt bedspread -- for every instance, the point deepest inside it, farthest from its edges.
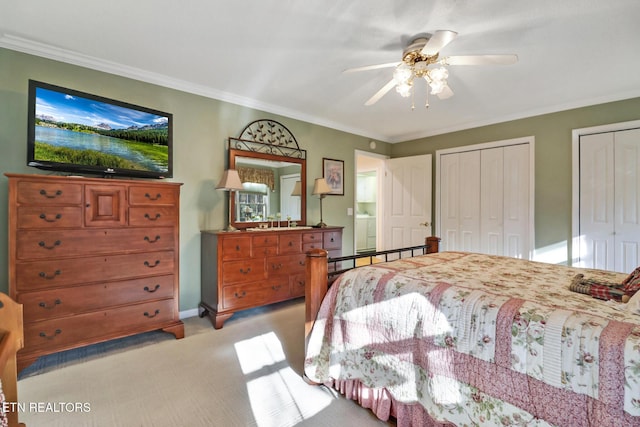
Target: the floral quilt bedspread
(480, 339)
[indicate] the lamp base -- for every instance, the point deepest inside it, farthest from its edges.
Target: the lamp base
(321, 225)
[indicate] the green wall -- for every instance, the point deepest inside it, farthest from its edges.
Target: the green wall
(553, 150)
(201, 128)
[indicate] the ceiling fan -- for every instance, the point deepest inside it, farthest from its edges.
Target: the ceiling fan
(421, 59)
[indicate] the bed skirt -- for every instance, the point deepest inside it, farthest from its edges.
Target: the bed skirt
(384, 406)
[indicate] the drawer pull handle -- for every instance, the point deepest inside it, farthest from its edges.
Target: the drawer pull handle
(276, 266)
(237, 247)
(50, 196)
(243, 271)
(290, 243)
(148, 196)
(301, 263)
(332, 239)
(44, 304)
(151, 241)
(242, 295)
(54, 219)
(152, 266)
(49, 277)
(44, 245)
(152, 219)
(276, 287)
(150, 316)
(146, 288)
(50, 337)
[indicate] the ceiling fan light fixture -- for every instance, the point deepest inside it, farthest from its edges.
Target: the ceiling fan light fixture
(402, 74)
(404, 89)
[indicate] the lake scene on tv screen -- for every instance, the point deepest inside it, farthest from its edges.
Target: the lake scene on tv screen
(70, 129)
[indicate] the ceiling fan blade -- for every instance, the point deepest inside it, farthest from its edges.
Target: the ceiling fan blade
(382, 92)
(438, 40)
(480, 60)
(371, 67)
(446, 93)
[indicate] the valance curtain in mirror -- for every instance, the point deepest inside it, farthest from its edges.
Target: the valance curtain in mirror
(260, 176)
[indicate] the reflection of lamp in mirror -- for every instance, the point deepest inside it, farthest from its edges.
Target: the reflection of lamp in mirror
(230, 182)
(321, 188)
(297, 189)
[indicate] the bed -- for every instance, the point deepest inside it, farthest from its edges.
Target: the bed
(456, 338)
(11, 340)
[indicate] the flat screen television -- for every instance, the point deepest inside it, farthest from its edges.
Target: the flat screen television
(79, 133)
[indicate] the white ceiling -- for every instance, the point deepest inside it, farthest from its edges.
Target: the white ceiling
(287, 56)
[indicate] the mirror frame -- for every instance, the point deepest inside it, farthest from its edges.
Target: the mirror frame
(268, 140)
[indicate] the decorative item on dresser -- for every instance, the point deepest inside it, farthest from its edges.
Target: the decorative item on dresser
(92, 259)
(254, 268)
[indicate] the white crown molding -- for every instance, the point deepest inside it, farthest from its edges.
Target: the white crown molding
(44, 50)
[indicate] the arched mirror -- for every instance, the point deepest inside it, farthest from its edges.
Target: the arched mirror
(273, 172)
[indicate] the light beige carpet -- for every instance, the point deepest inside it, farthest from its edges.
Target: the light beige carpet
(245, 374)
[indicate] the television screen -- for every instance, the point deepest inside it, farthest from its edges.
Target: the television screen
(76, 132)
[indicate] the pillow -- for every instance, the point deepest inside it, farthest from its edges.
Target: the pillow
(633, 306)
(631, 284)
(599, 289)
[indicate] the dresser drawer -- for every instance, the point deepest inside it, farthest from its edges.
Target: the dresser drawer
(43, 193)
(43, 274)
(150, 195)
(297, 284)
(312, 237)
(289, 244)
(52, 303)
(49, 216)
(39, 244)
(283, 265)
(58, 334)
(331, 240)
(242, 271)
(265, 240)
(152, 216)
(236, 247)
(254, 294)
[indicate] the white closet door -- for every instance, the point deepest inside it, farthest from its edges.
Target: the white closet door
(516, 200)
(460, 201)
(485, 199)
(597, 201)
(492, 201)
(610, 200)
(627, 200)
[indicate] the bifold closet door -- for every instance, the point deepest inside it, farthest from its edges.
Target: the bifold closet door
(610, 200)
(484, 201)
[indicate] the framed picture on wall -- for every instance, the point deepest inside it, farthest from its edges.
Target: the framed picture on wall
(333, 173)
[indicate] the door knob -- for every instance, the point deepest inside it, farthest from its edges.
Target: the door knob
(426, 224)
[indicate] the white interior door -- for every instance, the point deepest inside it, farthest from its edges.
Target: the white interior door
(610, 200)
(627, 196)
(407, 201)
(289, 205)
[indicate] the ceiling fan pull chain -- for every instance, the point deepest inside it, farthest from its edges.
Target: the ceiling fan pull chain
(426, 100)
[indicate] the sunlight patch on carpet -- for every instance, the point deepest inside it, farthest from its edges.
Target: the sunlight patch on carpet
(288, 400)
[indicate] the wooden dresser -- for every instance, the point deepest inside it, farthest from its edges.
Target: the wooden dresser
(247, 269)
(92, 259)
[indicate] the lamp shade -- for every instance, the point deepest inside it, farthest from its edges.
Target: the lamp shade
(297, 189)
(230, 181)
(321, 187)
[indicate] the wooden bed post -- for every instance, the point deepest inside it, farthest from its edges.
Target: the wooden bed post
(315, 287)
(433, 244)
(11, 340)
